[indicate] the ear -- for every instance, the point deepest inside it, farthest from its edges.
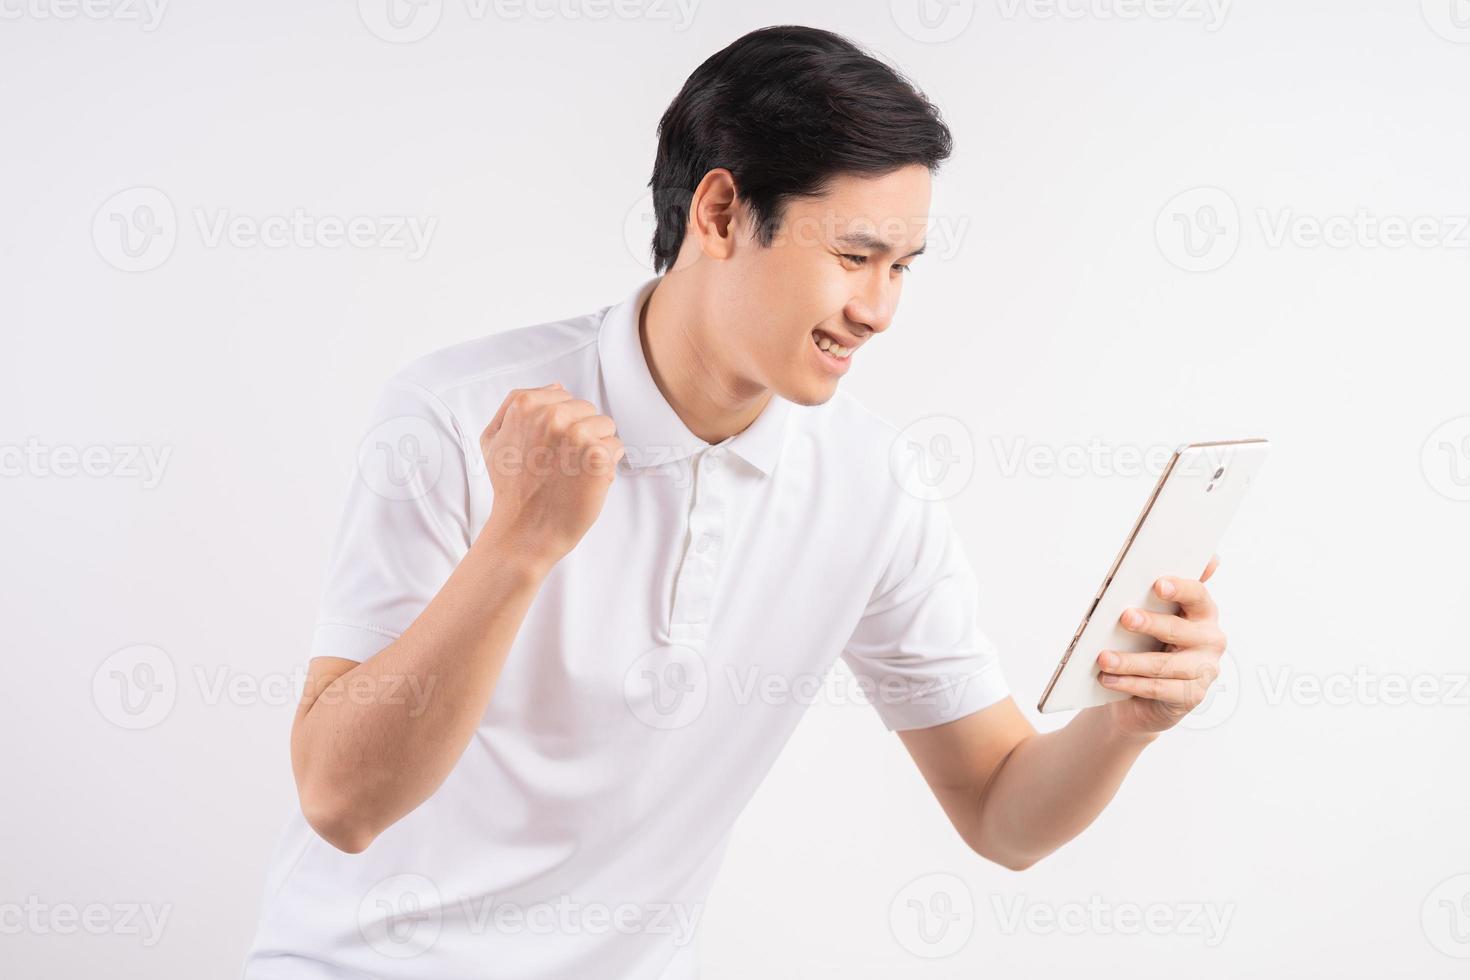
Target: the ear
(712, 214)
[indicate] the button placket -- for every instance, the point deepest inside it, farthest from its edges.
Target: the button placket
(699, 564)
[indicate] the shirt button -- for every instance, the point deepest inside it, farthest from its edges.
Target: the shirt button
(703, 545)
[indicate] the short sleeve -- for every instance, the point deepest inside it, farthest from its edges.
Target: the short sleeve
(404, 528)
(918, 650)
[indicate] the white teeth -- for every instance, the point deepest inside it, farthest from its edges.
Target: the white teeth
(831, 346)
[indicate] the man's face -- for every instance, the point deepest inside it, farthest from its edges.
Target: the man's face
(800, 310)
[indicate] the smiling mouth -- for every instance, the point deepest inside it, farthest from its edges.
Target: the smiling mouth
(830, 346)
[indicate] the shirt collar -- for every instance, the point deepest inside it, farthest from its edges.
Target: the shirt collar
(650, 429)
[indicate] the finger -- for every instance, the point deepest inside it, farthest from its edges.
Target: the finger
(554, 390)
(1176, 665)
(615, 448)
(1173, 630)
(592, 428)
(495, 423)
(1179, 693)
(1193, 598)
(570, 411)
(1210, 568)
(602, 456)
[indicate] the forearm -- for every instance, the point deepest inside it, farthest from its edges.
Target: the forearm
(1052, 786)
(377, 740)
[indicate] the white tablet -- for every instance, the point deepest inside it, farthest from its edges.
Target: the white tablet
(1177, 532)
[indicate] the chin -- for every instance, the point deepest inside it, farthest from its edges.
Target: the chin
(810, 394)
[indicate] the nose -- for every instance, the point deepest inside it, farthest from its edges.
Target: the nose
(871, 309)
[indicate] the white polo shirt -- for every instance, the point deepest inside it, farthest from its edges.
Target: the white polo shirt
(659, 671)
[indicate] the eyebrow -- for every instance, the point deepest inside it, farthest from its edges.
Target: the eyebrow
(862, 239)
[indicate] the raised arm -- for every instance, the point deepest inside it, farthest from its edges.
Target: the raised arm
(374, 739)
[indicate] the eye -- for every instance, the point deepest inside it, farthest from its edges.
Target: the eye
(903, 269)
(855, 259)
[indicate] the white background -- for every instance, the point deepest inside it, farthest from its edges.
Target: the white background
(1060, 314)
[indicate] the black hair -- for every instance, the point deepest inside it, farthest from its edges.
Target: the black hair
(786, 109)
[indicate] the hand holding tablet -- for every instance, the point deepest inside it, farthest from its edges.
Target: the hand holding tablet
(1175, 535)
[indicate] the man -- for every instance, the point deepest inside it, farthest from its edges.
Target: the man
(529, 723)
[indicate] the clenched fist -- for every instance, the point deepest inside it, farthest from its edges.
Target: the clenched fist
(551, 459)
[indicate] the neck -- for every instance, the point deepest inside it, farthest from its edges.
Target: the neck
(685, 358)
